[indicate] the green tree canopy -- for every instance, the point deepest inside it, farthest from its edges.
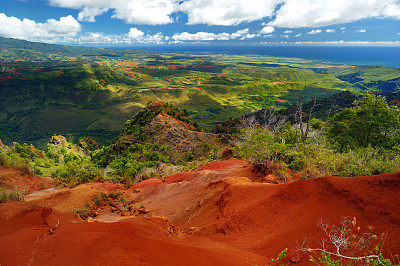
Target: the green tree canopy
(370, 122)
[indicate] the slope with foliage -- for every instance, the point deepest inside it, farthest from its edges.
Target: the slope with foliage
(369, 77)
(159, 133)
(362, 140)
(371, 122)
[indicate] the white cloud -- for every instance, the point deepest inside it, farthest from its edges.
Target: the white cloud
(330, 31)
(154, 12)
(150, 12)
(339, 43)
(239, 33)
(210, 36)
(157, 38)
(248, 36)
(317, 31)
(100, 38)
(135, 34)
(285, 36)
(88, 13)
(297, 35)
(200, 36)
(267, 30)
(232, 12)
(351, 43)
(362, 30)
(398, 33)
(27, 29)
(320, 13)
(288, 31)
(286, 13)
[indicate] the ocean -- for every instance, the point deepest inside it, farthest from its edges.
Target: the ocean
(350, 55)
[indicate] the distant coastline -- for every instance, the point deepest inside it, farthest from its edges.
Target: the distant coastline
(350, 55)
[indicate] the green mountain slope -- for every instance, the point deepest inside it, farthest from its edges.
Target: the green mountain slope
(51, 89)
(370, 77)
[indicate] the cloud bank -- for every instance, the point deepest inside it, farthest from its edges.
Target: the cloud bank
(286, 13)
(209, 36)
(27, 29)
(321, 13)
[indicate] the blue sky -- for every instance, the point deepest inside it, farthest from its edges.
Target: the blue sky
(226, 22)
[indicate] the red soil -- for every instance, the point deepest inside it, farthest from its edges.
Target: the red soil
(212, 216)
(280, 100)
(15, 179)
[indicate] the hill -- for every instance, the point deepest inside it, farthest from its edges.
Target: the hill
(12, 50)
(160, 139)
(169, 127)
(383, 79)
(323, 108)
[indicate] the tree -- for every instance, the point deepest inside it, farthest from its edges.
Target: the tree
(300, 116)
(258, 147)
(370, 122)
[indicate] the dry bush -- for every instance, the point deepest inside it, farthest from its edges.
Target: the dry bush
(347, 244)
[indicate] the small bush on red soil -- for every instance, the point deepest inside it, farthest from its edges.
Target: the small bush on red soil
(11, 195)
(281, 256)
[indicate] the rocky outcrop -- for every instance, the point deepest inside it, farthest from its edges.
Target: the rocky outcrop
(177, 136)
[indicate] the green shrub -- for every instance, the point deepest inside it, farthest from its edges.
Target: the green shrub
(281, 256)
(206, 147)
(289, 135)
(316, 123)
(370, 122)
(155, 156)
(296, 160)
(281, 170)
(189, 156)
(76, 172)
(11, 195)
(3, 159)
(165, 148)
(258, 146)
(37, 171)
(84, 214)
(128, 167)
(24, 151)
(101, 156)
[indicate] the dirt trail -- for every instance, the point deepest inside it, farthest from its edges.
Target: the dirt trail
(212, 216)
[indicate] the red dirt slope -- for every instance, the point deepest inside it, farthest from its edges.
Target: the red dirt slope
(13, 179)
(213, 216)
(266, 218)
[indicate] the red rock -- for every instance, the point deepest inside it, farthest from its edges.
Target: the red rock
(295, 259)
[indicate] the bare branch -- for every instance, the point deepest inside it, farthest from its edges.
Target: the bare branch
(348, 242)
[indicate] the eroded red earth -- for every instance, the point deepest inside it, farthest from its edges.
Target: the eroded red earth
(212, 216)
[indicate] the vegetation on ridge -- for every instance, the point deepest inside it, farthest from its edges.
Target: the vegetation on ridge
(155, 138)
(362, 140)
